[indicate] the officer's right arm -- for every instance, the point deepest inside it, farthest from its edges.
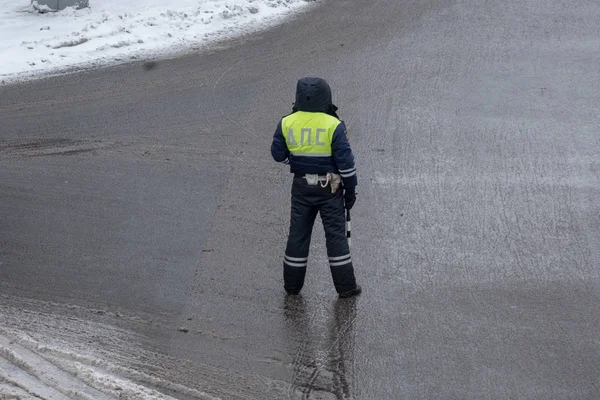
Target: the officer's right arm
(279, 149)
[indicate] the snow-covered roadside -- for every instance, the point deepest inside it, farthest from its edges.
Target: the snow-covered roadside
(117, 31)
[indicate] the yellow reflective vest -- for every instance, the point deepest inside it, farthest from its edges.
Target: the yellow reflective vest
(309, 134)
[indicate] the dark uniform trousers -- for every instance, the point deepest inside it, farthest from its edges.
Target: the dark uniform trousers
(307, 201)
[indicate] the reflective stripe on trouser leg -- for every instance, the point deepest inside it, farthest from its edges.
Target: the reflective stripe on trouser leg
(294, 271)
(340, 261)
(302, 219)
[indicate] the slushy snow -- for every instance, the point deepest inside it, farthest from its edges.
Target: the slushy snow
(116, 31)
(45, 354)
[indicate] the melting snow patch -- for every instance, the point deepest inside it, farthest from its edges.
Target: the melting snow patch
(53, 357)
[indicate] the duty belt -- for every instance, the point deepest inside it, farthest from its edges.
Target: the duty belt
(334, 180)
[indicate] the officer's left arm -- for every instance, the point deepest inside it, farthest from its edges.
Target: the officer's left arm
(343, 157)
(279, 149)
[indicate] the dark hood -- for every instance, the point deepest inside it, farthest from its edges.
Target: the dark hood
(313, 94)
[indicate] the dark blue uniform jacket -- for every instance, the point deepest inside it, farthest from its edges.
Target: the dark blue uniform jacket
(314, 95)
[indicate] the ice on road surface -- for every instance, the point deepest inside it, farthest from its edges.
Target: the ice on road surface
(115, 31)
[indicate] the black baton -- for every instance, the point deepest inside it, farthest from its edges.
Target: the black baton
(348, 228)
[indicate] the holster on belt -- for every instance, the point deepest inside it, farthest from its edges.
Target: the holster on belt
(335, 181)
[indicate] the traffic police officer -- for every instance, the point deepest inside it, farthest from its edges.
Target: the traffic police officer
(312, 140)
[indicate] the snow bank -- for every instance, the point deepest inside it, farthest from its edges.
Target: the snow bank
(116, 31)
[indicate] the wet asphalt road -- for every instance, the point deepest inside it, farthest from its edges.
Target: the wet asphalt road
(476, 234)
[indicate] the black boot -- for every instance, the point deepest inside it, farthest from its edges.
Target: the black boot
(293, 279)
(354, 292)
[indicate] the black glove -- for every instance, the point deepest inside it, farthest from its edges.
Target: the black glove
(349, 197)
